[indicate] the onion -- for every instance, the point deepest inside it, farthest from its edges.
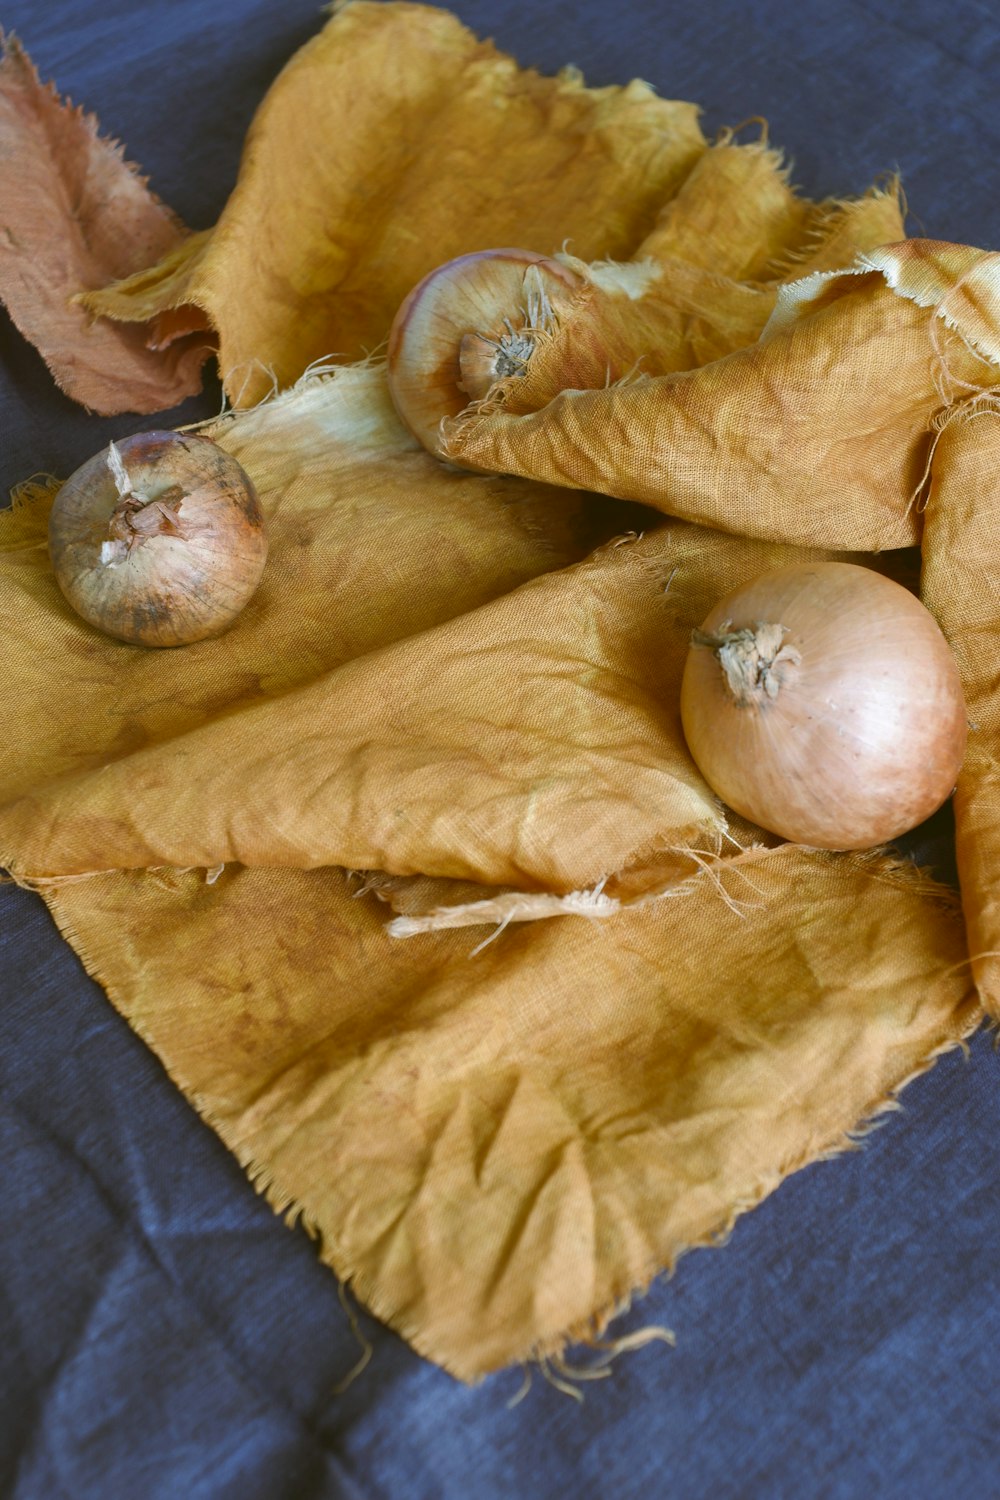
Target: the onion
(469, 323)
(158, 540)
(822, 702)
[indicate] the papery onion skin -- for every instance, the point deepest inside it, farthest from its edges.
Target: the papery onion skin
(863, 736)
(446, 324)
(176, 572)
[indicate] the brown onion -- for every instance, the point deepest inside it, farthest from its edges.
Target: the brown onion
(469, 323)
(159, 539)
(822, 702)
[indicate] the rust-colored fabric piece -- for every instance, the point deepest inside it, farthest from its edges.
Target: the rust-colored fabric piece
(453, 702)
(73, 214)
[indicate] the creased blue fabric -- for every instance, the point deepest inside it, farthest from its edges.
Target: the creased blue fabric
(164, 1336)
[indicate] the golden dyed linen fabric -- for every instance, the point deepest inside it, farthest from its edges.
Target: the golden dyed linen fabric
(468, 685)
(736, 215)
(466, 751)
(961, 584)
(497, 1146)
(384, 169)
(497, 1149)
(704, 282)
(816, 434)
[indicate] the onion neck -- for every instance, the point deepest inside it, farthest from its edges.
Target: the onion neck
(483, 360)
(135, 520)
(754, 663)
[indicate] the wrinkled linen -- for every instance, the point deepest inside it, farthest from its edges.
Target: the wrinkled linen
(362, 172)
(453, 702)
(816, 433)
(498, 1150)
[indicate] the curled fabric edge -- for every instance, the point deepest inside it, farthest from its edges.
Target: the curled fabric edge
(931, 273)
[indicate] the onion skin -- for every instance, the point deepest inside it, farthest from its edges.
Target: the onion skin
(443, 344)
(176, 561)
(856, 731)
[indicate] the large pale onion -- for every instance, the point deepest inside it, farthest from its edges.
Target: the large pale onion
(822, 702)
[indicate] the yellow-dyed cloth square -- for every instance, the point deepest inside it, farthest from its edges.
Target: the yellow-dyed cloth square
(452, 705)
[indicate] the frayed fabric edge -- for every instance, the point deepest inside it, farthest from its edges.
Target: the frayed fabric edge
(536, 906)
(511, 907)
(24, 521)
(850, 1139)
(830, 214)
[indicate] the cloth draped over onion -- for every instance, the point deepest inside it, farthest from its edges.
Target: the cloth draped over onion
(452, 705)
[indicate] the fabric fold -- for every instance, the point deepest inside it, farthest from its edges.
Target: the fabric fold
(960, 582)
(816, 434)
(534, 741)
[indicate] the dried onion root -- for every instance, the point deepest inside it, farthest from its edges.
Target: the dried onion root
(158, 540)
(822, 702)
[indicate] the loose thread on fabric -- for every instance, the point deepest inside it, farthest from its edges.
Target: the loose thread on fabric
(638, 1339)
(973, 958)
(556, 1369)
(985, 402)
(940, 311)
(24, 516)
(522, 1389)
(500, 927)
(367, 1348)
(251, 366)
(565, 1386)
(726, 135)
(35, 488)
(579, 1372)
